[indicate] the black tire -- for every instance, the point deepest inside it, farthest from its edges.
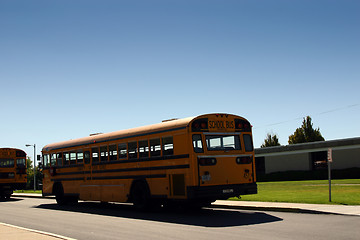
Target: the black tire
(140, 195)
(72, 199)
(199, 205)
(59, 195)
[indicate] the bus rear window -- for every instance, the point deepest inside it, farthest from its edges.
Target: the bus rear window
(223, 142)
(248, 143)
(6, 162)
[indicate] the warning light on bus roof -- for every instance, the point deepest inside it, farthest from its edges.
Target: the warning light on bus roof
(242, 125)
(200, 125)
(221, 115)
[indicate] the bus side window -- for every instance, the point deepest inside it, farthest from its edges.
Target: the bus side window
(73, 158)
(95, 155)
(197, 143)
(52, 160)
(155, 147)
(46, 160)
(143, 149)
(167, 146)
(122, 151)
(104, 153)
(87, 157)
(112, 153)
(132, 150)
(66, 158)
(59, 159)
(80, 156)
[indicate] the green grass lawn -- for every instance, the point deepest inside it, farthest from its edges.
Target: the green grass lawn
(28, 191)
(345, 192)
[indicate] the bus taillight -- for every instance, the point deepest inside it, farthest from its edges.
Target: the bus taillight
(244, 160)
(207, 161)
(21, 170)
(52, 171)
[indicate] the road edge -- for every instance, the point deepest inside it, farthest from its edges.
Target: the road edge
(38, 232)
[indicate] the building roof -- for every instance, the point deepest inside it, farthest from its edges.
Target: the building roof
(309, 147)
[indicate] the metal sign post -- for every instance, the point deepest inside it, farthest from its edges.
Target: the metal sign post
(329, 160)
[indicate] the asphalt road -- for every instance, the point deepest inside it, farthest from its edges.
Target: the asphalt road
(90, 220)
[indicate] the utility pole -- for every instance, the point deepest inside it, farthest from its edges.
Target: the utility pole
(329, 161)
(33, 145)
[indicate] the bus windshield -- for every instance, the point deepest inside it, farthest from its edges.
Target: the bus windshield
(223, 142)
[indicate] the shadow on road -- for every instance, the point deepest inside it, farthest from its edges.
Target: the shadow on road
(205, 217)
(10, 199)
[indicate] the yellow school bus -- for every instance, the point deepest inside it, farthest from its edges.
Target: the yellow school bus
(12, 171)
(194, 161)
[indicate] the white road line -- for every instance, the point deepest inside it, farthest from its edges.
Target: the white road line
(39, 232)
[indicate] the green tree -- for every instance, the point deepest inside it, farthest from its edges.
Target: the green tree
(30, 175)
(306, 133)
(270, 141)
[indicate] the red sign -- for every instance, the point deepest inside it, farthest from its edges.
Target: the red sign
(329, 155)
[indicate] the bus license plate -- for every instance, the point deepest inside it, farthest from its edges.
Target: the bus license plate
(228, 190)
(205, 178)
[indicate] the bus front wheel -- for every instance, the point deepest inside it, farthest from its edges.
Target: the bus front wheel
(59, 195)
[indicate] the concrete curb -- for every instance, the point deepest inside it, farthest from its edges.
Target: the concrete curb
(291, 207)
(272, 209)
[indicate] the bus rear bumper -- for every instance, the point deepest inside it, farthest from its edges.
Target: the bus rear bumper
(221, 192)
(13, 186)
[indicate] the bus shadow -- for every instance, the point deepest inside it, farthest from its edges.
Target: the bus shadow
(10, 199)
(205, 217)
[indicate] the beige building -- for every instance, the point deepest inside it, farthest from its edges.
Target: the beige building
(308, 156)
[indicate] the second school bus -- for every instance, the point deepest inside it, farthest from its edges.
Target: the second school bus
(194, 160)
(12, 171)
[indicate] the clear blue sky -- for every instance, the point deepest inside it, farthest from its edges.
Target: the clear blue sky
(71, 68)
